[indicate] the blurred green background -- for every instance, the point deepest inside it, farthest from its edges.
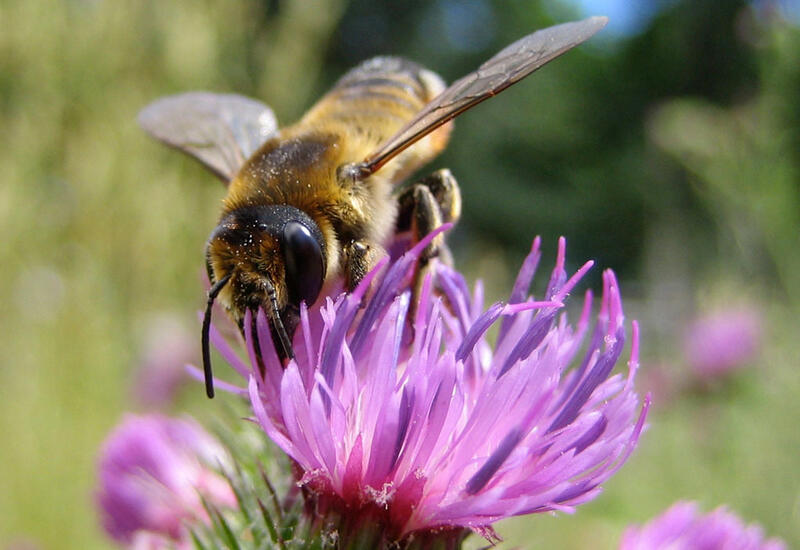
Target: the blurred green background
(668, 148)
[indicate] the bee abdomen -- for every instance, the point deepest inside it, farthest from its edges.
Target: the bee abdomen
(392, 75)
(389, 86)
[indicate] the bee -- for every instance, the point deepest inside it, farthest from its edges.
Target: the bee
(318, 200)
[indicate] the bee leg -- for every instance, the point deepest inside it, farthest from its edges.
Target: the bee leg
(445, 190)
(420, 212)
(359, 258)
(424, 206)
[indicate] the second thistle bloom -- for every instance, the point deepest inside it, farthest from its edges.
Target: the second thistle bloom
(407, 415)
(720, 343)
(154, 473)
(683, 527)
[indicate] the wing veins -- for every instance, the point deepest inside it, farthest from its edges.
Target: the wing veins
(220, 130)
(507, 67)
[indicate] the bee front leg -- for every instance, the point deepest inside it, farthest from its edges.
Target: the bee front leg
(359, 258)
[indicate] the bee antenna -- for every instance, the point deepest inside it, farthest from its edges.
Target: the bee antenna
(277, 322)
(212, 295)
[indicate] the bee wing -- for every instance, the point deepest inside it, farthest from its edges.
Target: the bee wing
(220, 130)
(510, 65)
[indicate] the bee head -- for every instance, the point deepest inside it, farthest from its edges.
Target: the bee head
(271, 257)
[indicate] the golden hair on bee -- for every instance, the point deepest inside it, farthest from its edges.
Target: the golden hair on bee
(318, 200)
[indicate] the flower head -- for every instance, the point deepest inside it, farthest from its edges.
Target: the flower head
(407, 415)
(721, 342)
(153, 476)
(682, 527)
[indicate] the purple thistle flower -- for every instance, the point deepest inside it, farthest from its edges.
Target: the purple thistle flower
(682, 527)
(719, 343)
(153, 476)
(405, 416)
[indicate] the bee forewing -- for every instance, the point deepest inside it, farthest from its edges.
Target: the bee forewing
(220, 130)
(510, 65)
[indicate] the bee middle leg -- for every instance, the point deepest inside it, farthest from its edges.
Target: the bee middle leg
(423, 207)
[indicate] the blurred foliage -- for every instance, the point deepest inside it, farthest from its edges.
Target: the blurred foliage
(671, 155)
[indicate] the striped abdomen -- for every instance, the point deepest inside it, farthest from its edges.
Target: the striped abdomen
(377, 98)
(391, 84)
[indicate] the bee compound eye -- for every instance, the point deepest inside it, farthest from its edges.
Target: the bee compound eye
(304, 264)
